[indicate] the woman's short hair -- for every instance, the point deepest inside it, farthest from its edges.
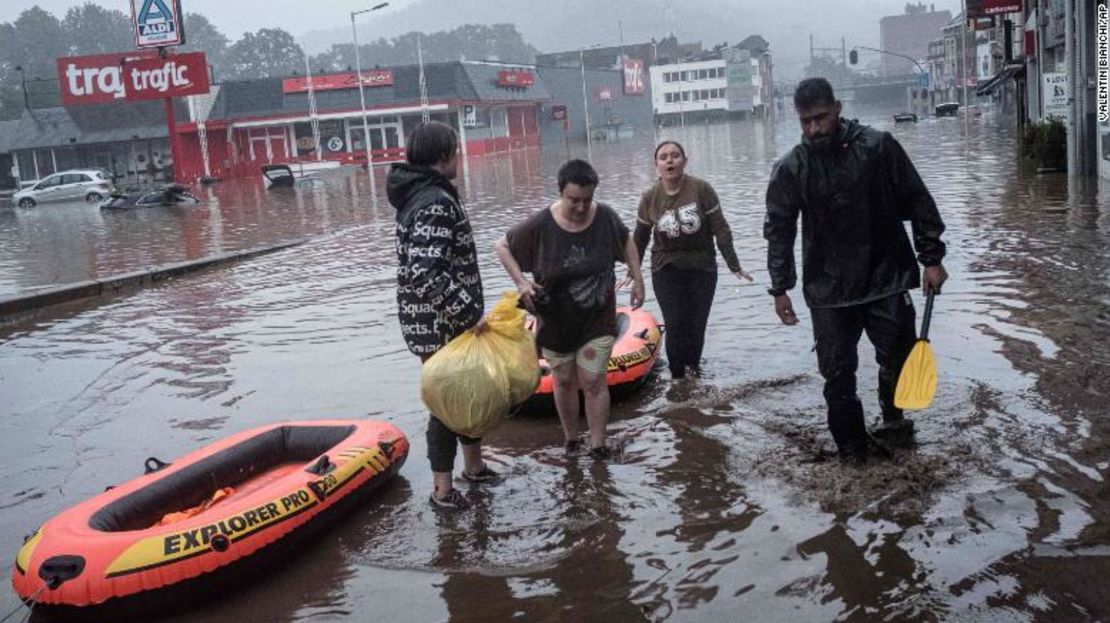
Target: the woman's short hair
(668, 142)
(577, 172)
(431, 143)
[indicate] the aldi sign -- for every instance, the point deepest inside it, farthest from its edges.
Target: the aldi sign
(131, 76)
(157, 23)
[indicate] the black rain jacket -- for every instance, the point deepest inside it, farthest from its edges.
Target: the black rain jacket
(439, 289)
(853, 199)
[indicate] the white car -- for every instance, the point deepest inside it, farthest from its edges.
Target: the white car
(90, 185)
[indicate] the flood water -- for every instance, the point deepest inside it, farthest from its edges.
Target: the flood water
(728, 503)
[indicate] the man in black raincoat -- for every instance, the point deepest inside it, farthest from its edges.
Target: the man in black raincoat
(854, 188)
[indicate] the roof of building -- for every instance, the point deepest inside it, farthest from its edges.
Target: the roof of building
(483, 79)
(754, 44)
(92, 124)
(7, 132)
(466, 81)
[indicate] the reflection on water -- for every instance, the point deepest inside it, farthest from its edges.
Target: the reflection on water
(727, 499)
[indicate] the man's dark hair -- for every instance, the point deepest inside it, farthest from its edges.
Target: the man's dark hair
(431, 143)
(813, 92)
(577, 172)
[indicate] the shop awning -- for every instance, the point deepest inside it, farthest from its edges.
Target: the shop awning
(1009, 72)
(370, 112)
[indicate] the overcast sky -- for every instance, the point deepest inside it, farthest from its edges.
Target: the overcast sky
(786, 24)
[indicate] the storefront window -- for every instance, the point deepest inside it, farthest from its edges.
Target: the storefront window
(332, 138)
(306, 143)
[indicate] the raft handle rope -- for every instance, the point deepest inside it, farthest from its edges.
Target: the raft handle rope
(387, 448)
(322, 466)
(153, 464)
(33, 600)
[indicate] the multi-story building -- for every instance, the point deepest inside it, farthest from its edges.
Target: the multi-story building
(909, 34)
(609, 57)
(951, 59)
(734, 81)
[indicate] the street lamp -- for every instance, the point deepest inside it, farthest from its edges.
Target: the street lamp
(362, 93)
(23, 81)
(854, 56)
(585, 100)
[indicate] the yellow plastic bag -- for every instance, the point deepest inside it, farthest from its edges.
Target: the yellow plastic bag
(471, 383)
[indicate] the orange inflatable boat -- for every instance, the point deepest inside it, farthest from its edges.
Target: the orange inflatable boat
(207, 511)
(634, 354)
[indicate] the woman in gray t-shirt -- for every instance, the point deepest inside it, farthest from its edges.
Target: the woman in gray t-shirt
(570, 248)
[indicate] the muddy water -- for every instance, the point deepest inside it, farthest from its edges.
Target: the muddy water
(727, 503)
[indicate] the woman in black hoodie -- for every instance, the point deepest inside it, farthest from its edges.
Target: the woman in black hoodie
(439, 290)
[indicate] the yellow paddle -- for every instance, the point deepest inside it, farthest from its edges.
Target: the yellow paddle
(918, 381)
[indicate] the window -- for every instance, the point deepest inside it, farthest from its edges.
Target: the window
(50, 182)
(75, 178)
(702, 74)
(685, 96)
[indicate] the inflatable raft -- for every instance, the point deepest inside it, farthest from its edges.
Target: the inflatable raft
(205, 512)
(635, 351)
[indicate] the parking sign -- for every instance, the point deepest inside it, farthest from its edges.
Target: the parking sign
(157, 23)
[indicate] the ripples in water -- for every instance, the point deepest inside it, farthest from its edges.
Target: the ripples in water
(727, 498)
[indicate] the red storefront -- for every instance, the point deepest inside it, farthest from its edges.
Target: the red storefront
(243, 125)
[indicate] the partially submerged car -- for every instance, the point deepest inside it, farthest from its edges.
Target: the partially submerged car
(171, 194)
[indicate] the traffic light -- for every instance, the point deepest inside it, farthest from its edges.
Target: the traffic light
(853, 57)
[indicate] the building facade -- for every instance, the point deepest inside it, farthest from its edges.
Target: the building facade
(242, 125)
(601, 99)
(129, 140)
(909, 34)
(729, 82)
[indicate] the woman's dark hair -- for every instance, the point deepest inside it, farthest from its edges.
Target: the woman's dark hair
(431, 143)
(577, 172)
(813, 92)
(665, 143)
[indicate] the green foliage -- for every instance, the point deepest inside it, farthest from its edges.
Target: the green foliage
(91, 29)
(202, 36)
(1046, 143)
(36, 38)
(268, 52)
(469, 42)
(832, 70)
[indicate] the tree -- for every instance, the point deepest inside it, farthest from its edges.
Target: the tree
(832, 70)
(202, 36)
(34, 40)
(468, 42)
(268, 52)
(91, 29)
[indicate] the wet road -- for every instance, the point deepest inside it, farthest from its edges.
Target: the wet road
(727, 505)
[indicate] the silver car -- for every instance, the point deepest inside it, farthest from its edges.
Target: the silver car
(90, 185)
